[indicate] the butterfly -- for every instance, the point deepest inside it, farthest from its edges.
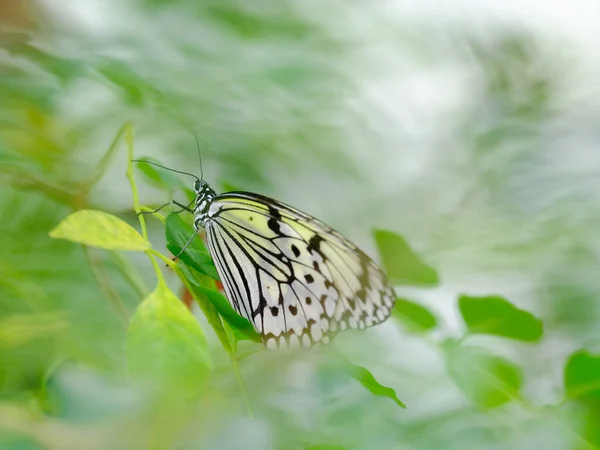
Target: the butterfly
(298, 281)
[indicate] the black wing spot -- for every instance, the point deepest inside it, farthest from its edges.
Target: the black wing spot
(273, 222)
(309, 278)
(250, 218)
(323, 297)
(308, 300)
(293, 310)
(274, 311)
(295, 250)
(314, 245)
(273, 225)
(315, 265)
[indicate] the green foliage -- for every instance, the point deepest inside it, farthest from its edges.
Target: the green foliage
(161, 178)
(19, 329)
(166, 345)
(15, 441)
(99, 229)
(201, 296)
(401, 263)
(243, 330)
(196, 255)
(93, 356)
(582, 376)
(326, 447)
(366, 378)
(414, 316)
(488, 380)
(133, 87)
(495, 315)
(230, 187)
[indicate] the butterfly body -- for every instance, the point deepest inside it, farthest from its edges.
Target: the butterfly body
(297, 280)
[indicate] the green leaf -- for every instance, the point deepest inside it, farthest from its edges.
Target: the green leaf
(414, 316)
(582, 375)
(99, 229)
(366, 378)
(240, 325)
(488, 380)
(495, 315)
(195, 255)
(166, 345)
(401, 263)
(216, 307)
(194, 280)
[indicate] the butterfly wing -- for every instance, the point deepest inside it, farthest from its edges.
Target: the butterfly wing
(296, 279)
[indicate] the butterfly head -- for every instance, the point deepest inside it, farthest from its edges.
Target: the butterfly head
(204, 196)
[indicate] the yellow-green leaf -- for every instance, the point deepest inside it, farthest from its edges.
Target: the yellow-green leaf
(99, 229)
(166, 345)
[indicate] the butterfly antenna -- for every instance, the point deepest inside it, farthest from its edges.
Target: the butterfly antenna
(166, 168)
(199, 157)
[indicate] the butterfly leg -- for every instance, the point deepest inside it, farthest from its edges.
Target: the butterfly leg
(172, 202)
(184, 247)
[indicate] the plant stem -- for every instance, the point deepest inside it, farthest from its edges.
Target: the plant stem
(107, 158)
(136, 203)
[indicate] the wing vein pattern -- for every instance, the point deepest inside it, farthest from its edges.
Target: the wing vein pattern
(297, 280)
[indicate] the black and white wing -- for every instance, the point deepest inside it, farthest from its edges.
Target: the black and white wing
(297, 280)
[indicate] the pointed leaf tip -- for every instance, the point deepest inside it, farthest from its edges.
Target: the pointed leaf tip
(366, 378)
(401, 263)
(414, 316)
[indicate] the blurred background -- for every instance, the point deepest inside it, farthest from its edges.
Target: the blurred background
(469, 128)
